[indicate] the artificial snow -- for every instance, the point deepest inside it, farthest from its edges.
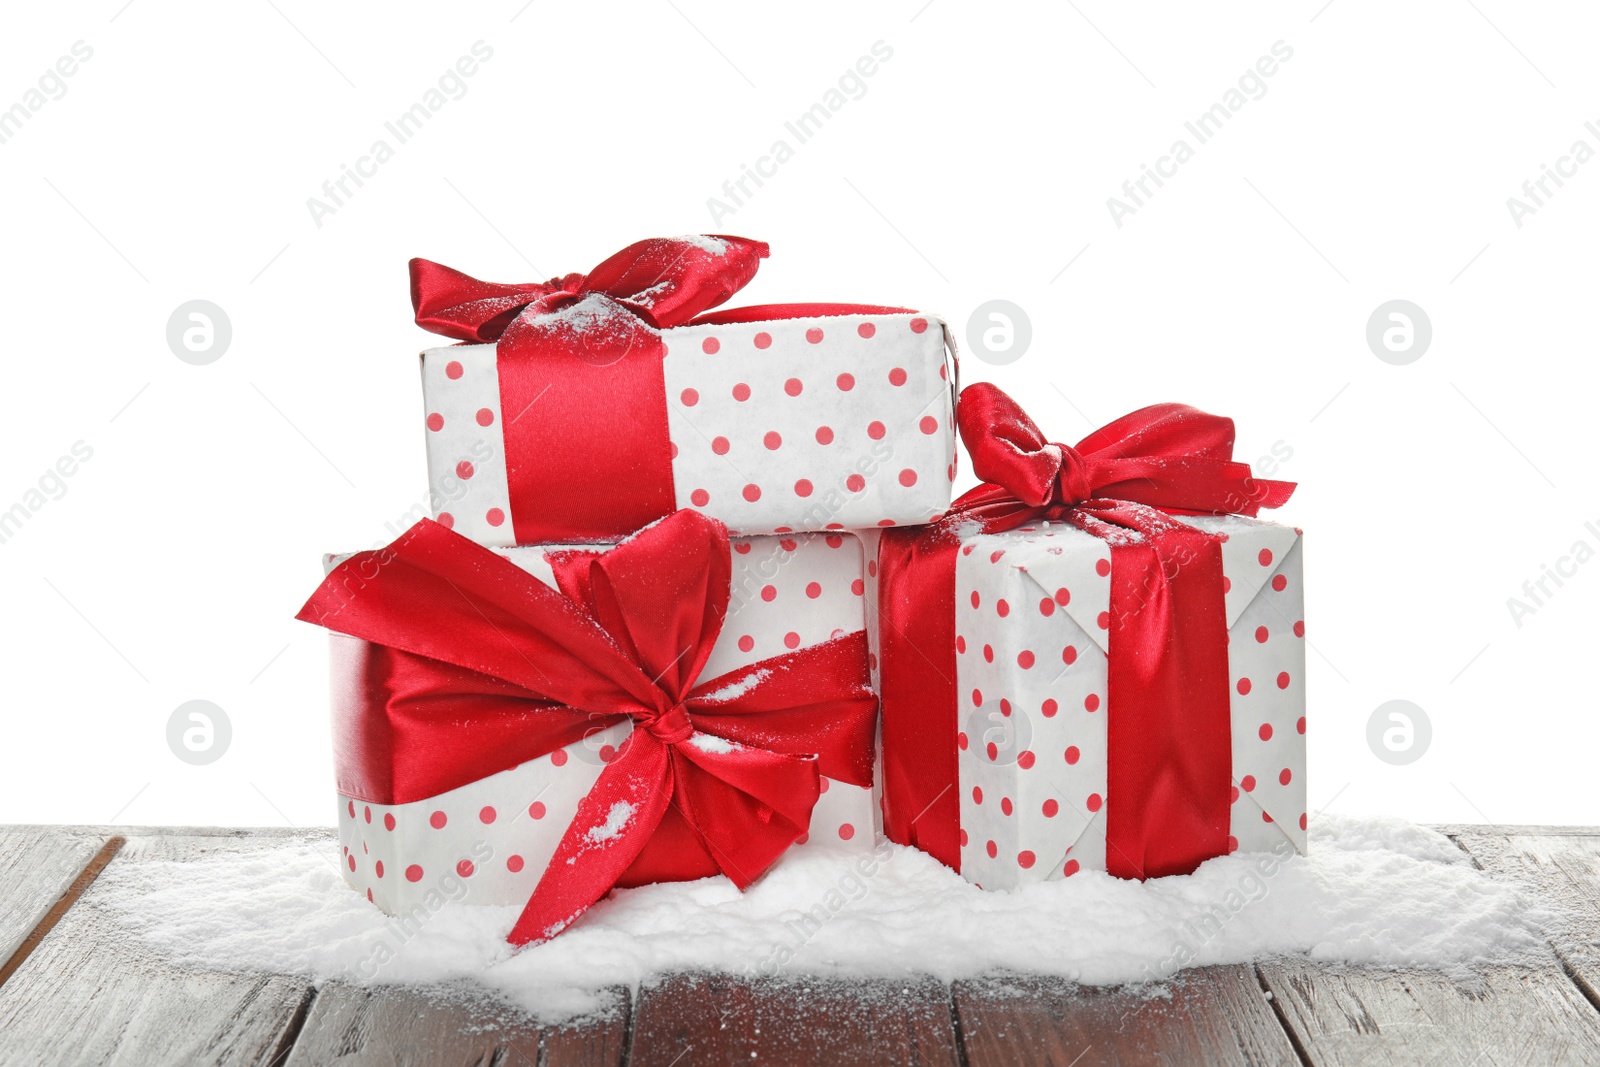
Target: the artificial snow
(1372, 891)
(712, 743)
(616, 819)
(735, 690)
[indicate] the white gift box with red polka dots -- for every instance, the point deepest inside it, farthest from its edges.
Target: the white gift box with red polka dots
(488, 842)
(1031, 621)
(818, 423)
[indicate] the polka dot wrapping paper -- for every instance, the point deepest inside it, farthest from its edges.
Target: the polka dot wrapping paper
(1032, 623)
(818, 423)
(488, 842)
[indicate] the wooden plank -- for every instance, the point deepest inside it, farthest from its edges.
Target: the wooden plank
(415, 1027)
(1213, 1015)
(90, 993)
(1510, 1015)
(702, 1019)
(1562, 872)
(38, 864)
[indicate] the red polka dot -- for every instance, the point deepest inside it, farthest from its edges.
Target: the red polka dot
(908, 477)
(961, 643)
(690, 397)
(494, 517)
(485, 416)
(378, 868)
(1300, 629)
(833, 540)
(929, 425)
(742, 547)
(447, 520)
(1265, 731)
(876, 430)
(1102, 567)
(992, 849)
(465, 868)
(763, 339)
(977, 698)
(1103, 620)
(536, 809)
(351, 859)
(1243, 686)
(414, 873)
(710, 345)
(1279, 583)
(699, 498)
(1301, 725)
(975, 598)
(1283, 679)
(866, 329)
(1025, 659)
(514, 864)
(814, 335)
(720, 445)
(1050, 808)
(1049, 708)
(897, 376)
(1265, 557)
(1047, 607)
(746, 643)
(453, 370)
(1091, 702)
(813, 590)
(368, 811)
(1025, 859)
(1227, 584)
(793, 387)
(824, 435)
(1233, 844)
(1025, 760)
(1285, 776)
(388, 819)
(435, 422)
(1072, 754)
(1234, 794)
(918, 325)
(773, 440)
(1005, 707)
(1001, 608)
(1261, 635)
(1094, 802)
(1248, 783)
(1265, 817)
(673, 448)
(752, 492)
(741, 392)
(1302, 820)
(993, 751)
(845, 382)
(977, 794)
(961, 741)
(791, 640)
(464, 470)
(437, 820)
(963, 839)
(803, 487)
(846, 832)
(1069, 655)
(486, 815)
(607, 753)
(855, 483)
(558, 758)
(1071, 868)
(858, 587)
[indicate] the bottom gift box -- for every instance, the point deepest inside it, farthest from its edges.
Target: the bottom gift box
(480, 760)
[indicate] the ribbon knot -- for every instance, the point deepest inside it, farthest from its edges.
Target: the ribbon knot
(671, 727)
(1072, 485)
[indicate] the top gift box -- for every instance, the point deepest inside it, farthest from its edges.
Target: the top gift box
(588, 406)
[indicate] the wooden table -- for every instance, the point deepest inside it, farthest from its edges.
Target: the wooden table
(74, 989)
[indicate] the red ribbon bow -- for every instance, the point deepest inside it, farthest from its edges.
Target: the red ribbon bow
(1169, 770)
(475, 666)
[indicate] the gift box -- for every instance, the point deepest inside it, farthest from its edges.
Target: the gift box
(1075, 674)
(536, 725)
(588, 406)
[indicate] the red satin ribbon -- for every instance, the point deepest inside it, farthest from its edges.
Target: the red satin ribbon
(1169, 778)
(583, 352)
(467, 665)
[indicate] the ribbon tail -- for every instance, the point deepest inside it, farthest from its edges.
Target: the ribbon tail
(747, 804)
(613, 824)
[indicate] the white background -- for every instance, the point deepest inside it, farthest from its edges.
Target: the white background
(977, 165)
